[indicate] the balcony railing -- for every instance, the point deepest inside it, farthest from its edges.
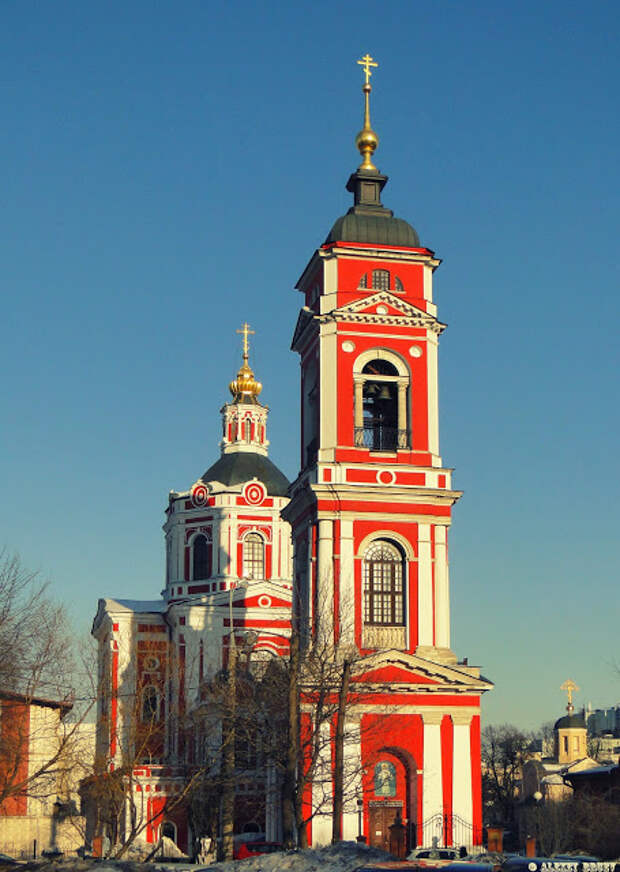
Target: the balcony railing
(378, 437)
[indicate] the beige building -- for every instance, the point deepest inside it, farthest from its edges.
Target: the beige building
(545, 779)
(42, 759)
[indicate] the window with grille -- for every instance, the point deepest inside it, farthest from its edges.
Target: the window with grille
(384, 597)
(398, 285)
(247, 430)
(381, 280)
(201, 558)
(363, 281)
(253, 556)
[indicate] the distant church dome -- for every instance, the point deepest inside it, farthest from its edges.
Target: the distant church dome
(570, 722)
(239, 467)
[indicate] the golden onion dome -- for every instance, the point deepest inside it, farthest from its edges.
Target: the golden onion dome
(245, 388)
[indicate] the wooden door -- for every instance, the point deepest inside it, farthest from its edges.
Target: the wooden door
(381, 817)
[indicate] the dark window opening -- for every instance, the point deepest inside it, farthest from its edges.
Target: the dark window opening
(150, 704)
(202, 558)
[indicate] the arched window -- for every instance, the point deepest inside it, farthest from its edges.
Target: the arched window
(253, 556)
(381, 280)
(384, 589)
(150, 704)
(363, 281)
(398, 285)
(247, 430)
(201, 553)
(169, 830)
(381, 428)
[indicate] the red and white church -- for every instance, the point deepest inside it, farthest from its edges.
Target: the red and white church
(359, 540)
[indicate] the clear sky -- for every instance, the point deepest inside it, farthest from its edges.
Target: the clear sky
(168, 170)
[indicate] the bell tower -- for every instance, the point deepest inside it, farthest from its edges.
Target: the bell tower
(371, 508)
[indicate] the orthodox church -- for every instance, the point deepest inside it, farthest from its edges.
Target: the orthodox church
(354, 552)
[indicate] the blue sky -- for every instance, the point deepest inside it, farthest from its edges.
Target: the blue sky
(169, 168)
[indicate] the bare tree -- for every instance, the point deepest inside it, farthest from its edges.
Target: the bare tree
(36, 686)
(504, 750)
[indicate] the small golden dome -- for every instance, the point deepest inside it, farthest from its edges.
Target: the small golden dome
(245, 388)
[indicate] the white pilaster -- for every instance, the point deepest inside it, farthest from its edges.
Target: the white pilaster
(352, 780)
(325, 582)
(347, 583)
(442, 595)
(432, 797)
(322, 792)
(425, 586)
(461, 771)
(433, 393)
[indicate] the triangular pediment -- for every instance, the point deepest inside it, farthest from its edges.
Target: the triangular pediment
(399, 668)
(386, 307)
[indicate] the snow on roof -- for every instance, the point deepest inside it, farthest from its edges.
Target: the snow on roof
(115, 605)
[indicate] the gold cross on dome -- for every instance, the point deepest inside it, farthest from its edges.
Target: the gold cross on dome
(246, 332)
(570, 687)
(367, 62)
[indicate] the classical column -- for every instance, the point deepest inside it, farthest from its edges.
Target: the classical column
(359, 404)
(404, 440)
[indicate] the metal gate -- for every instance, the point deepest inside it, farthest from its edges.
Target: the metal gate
(443, 830)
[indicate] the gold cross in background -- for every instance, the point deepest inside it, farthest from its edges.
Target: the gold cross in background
(246, 332)
(367, 62)
(570, 687)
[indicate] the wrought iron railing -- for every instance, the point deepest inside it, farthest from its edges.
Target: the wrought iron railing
(378, 437)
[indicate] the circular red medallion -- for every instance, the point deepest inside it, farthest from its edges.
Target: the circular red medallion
(254, 493)
(199, 494)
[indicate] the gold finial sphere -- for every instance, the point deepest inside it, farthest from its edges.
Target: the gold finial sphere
(367, 140)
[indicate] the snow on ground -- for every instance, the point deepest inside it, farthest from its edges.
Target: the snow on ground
(344, 857)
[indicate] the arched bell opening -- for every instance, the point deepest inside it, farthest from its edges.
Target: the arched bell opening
(381, 404)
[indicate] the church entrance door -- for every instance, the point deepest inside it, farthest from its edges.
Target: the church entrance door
(381, 817)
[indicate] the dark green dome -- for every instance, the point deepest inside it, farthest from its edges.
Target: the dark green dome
(368, 220)
(381, 229)
(574, 722)
(238, 467)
